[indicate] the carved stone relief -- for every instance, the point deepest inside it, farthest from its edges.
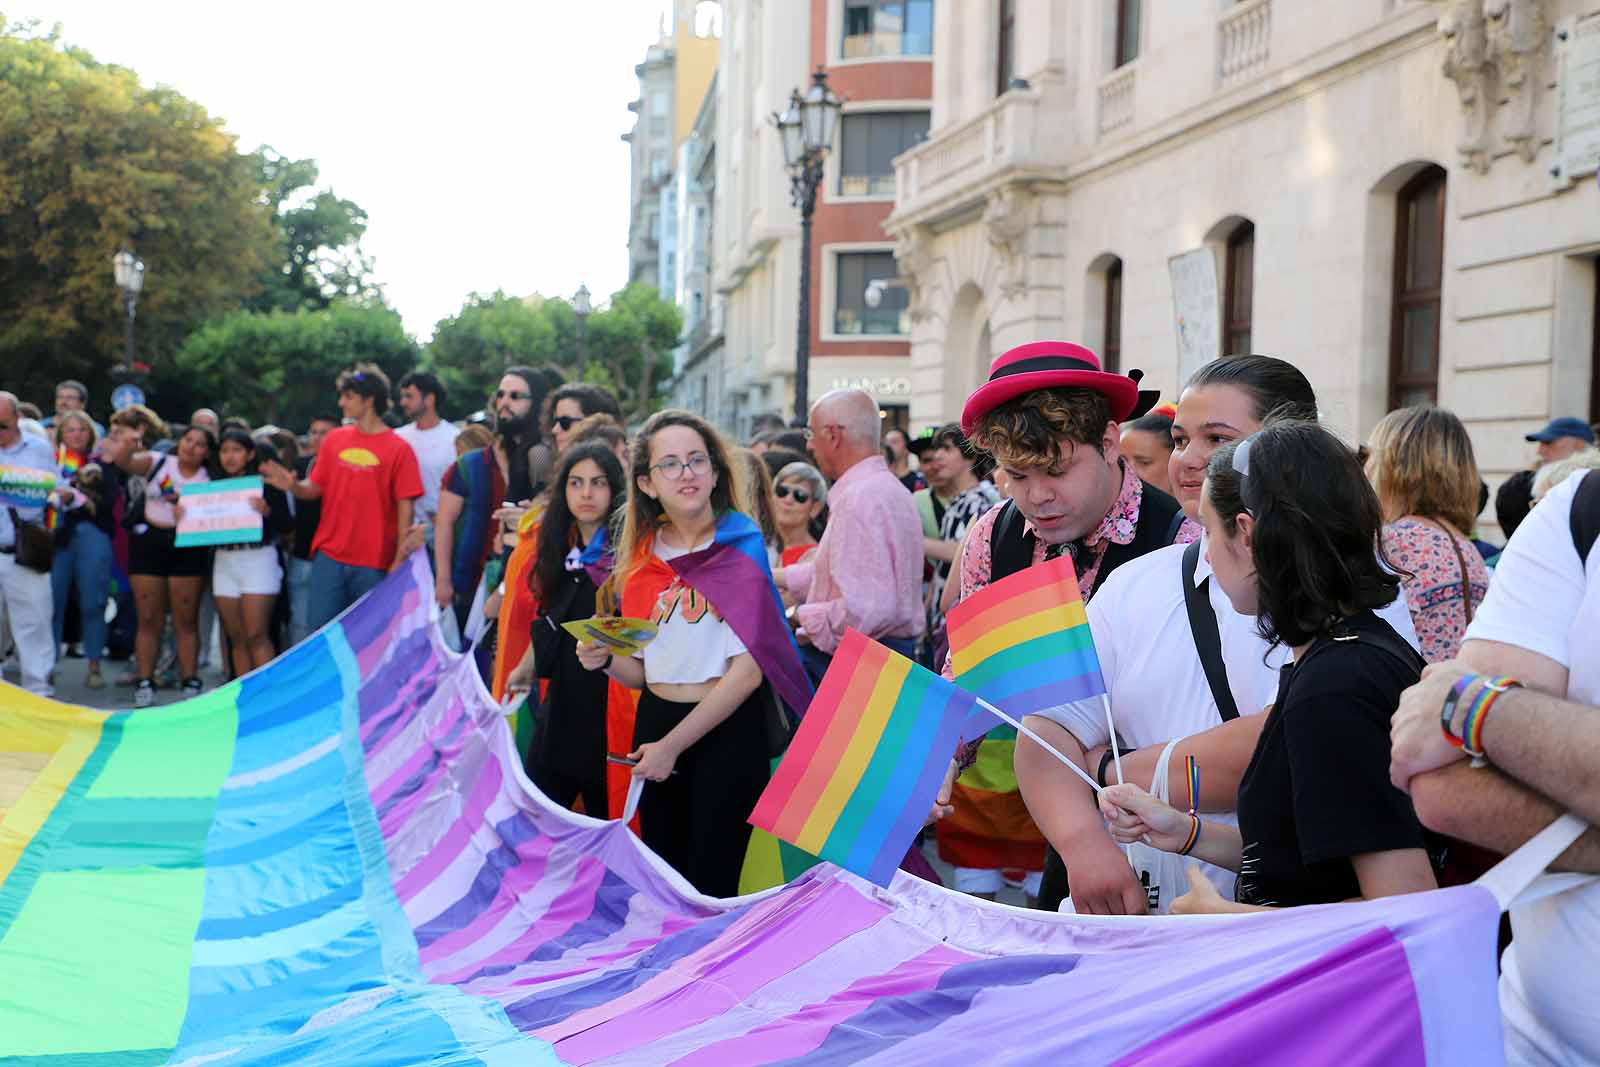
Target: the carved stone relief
(1006, 218)
(913, 251)
(1495, 52)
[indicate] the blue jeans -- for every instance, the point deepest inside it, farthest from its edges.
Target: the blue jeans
(299, 581)
(335, 586)
(85, 562)
(816, 661)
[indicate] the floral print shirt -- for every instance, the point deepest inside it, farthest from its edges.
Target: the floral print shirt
(1430, 573)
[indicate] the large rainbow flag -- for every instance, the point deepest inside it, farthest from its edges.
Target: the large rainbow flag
(336, 862)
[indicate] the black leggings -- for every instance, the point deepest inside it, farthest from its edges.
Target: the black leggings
(696, 819)
(565, 788)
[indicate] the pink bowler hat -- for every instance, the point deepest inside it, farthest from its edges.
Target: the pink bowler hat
(1055, 364)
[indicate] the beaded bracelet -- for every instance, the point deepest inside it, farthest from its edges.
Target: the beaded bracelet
(1448, 712)
(1478, 713)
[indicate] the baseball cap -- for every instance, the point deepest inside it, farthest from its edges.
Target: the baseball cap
(1566, 426)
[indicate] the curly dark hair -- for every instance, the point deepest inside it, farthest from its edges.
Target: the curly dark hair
(1317, 545)
(558, 532)
(1026, 431)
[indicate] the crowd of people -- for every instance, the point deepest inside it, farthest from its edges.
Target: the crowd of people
(1371, 697)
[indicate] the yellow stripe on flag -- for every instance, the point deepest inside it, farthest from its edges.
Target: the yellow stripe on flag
(35, 725)
(863, 742)
(1052, 619)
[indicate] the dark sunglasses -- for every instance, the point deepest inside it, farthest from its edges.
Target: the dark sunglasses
(801, 496)
(566, 422)
(512, 394)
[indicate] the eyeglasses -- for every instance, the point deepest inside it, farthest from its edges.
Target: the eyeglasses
(801, 496)
(512, 394)
(566, 422)
(811, 434)
(672, 467)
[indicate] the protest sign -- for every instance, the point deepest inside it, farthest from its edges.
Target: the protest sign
(25, 487)
(220, 513)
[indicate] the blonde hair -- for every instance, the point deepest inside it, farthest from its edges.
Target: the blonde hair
(642, 515)
(1553, 475)
(73, 416)
(1422, 464)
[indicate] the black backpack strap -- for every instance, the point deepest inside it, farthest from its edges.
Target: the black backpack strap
(1207, 639)
(1171, 535)
(1010, 545)
(1585, 518)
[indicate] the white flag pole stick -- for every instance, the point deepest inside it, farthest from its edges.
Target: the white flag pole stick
(1111, 727)
(1041, 742)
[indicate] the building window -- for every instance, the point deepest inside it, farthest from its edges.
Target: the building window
(1126, 46)
(887, 28)
(868, 144)
(1006, 54)
(1418, 271)
(1238, 301)
(851, 313)
(1111, 350)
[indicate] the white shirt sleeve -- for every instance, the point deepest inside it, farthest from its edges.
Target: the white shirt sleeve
(1538, 583)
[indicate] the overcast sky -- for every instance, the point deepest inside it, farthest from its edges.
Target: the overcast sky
(482, 137)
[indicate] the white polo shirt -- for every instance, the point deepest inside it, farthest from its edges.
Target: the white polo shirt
(1157, 686)
(1546, 599)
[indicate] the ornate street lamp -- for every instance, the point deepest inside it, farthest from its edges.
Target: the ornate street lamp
(580, 309)
(806, 130)
(128, 269)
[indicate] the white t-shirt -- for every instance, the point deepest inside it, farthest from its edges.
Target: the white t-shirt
(436, 450)
(1157, 686)
(692, 644)
(1545, 599)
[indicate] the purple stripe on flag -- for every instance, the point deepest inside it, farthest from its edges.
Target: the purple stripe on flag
(382, 646)
(456, 839)
(911, 816)
(430, 750)
(1359, 996)
(606, 917)
(399, 814)
(803, 1031)
(506, 874)
(1016, 696)
(786, 937)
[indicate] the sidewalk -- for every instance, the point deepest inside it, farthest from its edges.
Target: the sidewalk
(71, 690)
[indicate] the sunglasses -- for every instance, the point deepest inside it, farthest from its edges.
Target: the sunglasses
(512, 394)
(566, 422)
(801, 496)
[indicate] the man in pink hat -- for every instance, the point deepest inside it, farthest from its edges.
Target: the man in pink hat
(1050, 418)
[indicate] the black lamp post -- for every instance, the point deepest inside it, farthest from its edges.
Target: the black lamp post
(807, 132)
(580, 310)
(128, 269)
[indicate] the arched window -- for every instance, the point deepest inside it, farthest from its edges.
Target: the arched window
(1111, 348)
(1238, 300)
(1418, 277)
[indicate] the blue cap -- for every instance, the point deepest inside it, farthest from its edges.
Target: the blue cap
(1566, 426)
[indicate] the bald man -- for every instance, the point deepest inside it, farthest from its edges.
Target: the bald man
(867, 571)
(25, 595)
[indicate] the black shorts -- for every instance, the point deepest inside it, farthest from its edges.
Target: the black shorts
(153, 554)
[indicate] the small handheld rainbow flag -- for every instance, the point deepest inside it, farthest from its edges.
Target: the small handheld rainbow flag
(1024, 644)
(69, 462)
(865, 765)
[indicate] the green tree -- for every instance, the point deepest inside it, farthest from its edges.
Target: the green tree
(280, 366)
(632, 339)
(91, 161)
(471, 348)
(320, 256)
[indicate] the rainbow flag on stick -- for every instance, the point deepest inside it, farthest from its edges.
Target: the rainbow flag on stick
(867, 761)
(1024, 644)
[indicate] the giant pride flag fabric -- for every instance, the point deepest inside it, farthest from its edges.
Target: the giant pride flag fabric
(337, 862)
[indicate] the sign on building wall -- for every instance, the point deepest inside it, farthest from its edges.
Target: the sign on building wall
(1196, 304)
(1578, 112)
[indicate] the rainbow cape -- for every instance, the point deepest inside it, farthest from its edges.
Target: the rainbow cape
(869, 757)
(336, 861)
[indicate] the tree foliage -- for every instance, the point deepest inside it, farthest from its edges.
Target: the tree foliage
(628, 344)
(320, 257)
(280, 366)
(91, 162)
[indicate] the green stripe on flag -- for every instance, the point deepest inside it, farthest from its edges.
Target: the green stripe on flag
(1028, 656)
(879, 769)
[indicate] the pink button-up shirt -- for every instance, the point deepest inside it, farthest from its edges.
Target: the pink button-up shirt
(867, 571)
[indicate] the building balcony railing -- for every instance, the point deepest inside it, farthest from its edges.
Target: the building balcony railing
(1010, 135)
(1116, 99)
(1244, 39)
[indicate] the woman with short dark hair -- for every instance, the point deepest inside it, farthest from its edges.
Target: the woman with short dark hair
(1291, 524)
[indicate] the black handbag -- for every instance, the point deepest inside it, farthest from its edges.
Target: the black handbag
(35, 546)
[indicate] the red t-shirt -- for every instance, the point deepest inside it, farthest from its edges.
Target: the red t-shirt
(363, 477)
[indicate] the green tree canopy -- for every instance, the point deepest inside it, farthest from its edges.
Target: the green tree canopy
(629, 345)
(320, 258)
(91, 162)
(280, 366)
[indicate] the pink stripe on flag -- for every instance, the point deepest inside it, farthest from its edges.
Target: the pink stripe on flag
(533, 861)
(393, 821)
(422, 751)
(456, 839)
(372, 656)
(571, 906)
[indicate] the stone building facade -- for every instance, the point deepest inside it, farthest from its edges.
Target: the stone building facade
(1399, 196)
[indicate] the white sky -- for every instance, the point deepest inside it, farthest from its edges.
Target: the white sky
(482, 138)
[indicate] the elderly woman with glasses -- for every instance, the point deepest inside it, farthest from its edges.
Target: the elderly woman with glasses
(798, 493)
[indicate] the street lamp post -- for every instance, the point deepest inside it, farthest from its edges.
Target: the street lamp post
(806, 129)
(128, 269)
(580, 309)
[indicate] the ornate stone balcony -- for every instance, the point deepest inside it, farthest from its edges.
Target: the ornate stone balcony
(1244, 39)
(1116, 99)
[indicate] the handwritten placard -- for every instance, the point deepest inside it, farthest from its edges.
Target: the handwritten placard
(25, 487)
(220, 513)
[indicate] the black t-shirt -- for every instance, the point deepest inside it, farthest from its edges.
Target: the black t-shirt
(1317, 790)
(307, 513)
(572, 740)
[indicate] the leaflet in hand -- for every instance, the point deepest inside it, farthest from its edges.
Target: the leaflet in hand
(623, 636)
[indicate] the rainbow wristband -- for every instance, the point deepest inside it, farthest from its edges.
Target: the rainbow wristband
(1447, 713)
(1194, 836)
(1478, 713)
